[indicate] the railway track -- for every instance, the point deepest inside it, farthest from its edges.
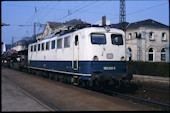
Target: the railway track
(136, 96)
(139, 93)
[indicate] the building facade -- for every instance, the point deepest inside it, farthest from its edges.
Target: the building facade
(146, 41)
(54, 27)
(49, 29)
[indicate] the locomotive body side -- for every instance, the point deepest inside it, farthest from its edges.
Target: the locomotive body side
(92, 54)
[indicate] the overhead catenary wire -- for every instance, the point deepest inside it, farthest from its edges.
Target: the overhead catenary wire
(75, 11)
(54, 5)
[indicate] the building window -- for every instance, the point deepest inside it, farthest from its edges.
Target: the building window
(164, 36)
(129, 54)
(130, 35)
(151, 36)
(151, 54)
(53, 44)
(136, 34)
(163, 55)
(67, 42)
(47, 45)
(59, 43)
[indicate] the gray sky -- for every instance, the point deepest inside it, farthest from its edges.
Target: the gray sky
(27, 12)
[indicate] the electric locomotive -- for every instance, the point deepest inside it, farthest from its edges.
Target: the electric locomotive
(88, 56)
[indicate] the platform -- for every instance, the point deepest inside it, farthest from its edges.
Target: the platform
(153, 80)
(13, 99)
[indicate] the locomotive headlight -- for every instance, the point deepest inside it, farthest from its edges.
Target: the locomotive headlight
(95, 58)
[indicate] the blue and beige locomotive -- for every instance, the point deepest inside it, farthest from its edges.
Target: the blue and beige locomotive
(87, 56)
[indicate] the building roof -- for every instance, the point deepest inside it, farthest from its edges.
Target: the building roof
(119, 25)
(144, 23)
(74, 22)
(54, 25)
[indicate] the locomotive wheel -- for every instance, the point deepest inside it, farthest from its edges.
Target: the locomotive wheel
(85, 83)
(68, 81)
(51, 76)
(29, 71)
(96, 83)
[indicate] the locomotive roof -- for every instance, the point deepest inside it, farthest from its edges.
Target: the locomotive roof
(67, 32)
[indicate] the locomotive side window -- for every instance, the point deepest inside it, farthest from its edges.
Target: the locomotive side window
(38, 47)
(76, 40)
(47, 45)
(31, 48)
(35, 47)
(59, 43)
(97, 38)
(53, 44)
(116, 39)
(42, 46)
(67, 42)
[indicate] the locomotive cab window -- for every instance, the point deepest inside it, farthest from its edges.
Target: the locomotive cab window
(116, 39)
(97, 38)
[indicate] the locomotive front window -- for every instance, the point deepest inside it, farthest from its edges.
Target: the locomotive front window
(98, 38)
(116, 39)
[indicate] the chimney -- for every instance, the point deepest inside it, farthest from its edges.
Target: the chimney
(103, 20)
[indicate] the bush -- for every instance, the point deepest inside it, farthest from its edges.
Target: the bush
(149, 68)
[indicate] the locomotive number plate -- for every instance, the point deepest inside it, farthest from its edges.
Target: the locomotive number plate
(109, 68)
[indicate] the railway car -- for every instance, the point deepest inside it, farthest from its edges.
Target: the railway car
(88, 56)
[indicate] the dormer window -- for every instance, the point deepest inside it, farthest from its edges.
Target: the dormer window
(151, 36)
(130, 35)
(136, 34)
(164, 36)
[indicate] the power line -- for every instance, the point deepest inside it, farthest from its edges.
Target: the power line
(71, 13)
(32, 6)
(147, 8)
(50, 10)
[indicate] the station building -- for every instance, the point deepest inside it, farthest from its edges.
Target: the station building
(146, 40)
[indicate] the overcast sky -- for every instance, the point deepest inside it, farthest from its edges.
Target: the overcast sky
(28, 12)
